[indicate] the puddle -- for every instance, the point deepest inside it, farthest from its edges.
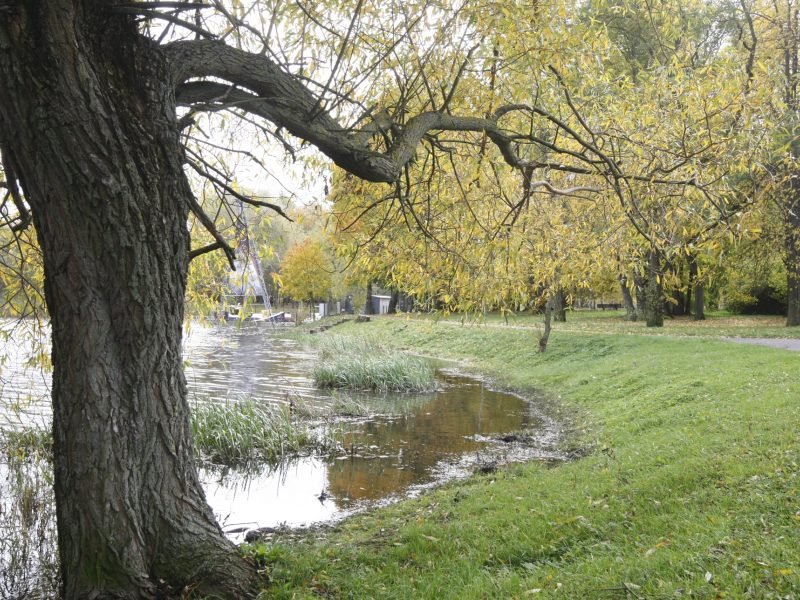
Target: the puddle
(445, 435)
(410, 443)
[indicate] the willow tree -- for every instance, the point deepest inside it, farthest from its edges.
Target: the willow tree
(94, 158)
(627, 170)
(773, 31)
(306, 272)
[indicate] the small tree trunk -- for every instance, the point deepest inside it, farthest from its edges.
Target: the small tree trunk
(792, 244)
(689, 309)
(641, 300)
(369, 309)
(559, 306)
(699, 301)
(696, 284)
(548, 316)
(653, 293)
(393, 301)
(627, 299)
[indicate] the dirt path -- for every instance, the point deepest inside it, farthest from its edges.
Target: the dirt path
(785, 343)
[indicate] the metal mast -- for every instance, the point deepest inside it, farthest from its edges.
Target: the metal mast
(247, 260)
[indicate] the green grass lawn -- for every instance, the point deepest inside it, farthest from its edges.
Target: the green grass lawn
(689, 489)
(717, 323)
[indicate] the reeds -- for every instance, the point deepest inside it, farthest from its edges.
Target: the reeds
(250, 431)
(366, 364)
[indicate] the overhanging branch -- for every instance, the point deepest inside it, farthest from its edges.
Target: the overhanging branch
(210, 74)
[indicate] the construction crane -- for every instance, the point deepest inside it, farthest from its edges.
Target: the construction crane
(248, 268)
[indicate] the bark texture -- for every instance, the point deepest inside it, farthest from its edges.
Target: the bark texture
(87, 111)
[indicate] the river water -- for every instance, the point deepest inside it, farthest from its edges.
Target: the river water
(406, 444)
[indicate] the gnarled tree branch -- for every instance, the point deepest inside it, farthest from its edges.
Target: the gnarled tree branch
(210, 74)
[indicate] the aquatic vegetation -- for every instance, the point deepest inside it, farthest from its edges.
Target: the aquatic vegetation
(249, 431)
(29, 565)
(365, 364)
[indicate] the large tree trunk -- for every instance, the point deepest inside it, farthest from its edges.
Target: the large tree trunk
(87, 116)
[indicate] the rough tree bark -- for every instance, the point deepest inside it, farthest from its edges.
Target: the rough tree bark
(87, 116)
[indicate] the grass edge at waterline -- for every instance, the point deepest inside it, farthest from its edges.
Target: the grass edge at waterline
(692, 490)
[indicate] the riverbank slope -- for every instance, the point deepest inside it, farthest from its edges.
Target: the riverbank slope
(689, 488)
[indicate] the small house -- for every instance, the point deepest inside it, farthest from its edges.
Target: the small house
(380, 304)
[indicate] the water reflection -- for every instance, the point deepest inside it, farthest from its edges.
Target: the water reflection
(24, 382)
(384, 457)
(288, 494)
(222, 363)
(407, 442)
(234, 362)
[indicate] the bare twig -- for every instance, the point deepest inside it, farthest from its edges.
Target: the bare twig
(345, 42)
(154, 14)
(212, 229)
(239, 196)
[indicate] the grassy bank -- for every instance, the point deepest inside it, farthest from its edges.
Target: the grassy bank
(690, 489)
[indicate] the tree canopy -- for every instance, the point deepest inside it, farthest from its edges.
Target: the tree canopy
(512, 150)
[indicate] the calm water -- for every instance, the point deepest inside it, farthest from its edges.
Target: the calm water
(410, 443)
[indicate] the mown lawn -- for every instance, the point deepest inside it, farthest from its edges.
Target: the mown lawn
(689, 489)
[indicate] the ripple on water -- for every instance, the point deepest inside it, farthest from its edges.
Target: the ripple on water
(409, 443)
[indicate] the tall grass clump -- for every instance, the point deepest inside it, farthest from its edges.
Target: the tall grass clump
(249, 431)
(366, 364)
